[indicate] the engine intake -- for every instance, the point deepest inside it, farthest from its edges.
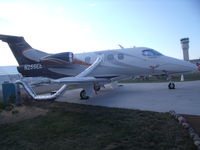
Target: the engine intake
(60, 58)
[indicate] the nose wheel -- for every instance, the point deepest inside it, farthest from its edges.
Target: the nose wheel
(171, 85)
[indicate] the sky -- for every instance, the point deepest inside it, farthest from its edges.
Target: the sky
(76, 26)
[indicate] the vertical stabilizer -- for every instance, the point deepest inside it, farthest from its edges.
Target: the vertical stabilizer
(20, 48)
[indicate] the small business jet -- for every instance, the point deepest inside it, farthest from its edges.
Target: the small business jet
(90, 70)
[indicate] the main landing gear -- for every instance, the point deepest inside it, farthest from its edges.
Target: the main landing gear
(171, 85)
(97, 88)
(84, 94)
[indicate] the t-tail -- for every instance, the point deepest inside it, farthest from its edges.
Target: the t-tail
(22, 51)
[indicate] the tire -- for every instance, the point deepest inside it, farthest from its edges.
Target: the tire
(171, 86)
(97, 87)
(83, 95)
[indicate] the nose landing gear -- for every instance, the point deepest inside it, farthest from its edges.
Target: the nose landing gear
(171, 85)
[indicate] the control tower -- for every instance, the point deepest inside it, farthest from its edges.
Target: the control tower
(185, 48)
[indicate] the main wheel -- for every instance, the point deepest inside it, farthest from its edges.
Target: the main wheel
(171, 85)
(83, 95)
(97, 87)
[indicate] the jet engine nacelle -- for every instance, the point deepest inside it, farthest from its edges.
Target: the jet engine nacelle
(60, 58)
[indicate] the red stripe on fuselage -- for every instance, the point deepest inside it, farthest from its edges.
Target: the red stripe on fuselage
(80, 62)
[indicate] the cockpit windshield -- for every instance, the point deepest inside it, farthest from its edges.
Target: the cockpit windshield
(151, 52)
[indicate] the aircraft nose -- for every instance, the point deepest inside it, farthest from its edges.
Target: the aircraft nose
(182, 66)
(191, 67)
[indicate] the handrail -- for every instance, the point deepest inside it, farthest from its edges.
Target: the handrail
(32, 93)
(88, 70)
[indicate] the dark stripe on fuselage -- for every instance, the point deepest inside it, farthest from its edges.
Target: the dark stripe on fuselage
(44, 72)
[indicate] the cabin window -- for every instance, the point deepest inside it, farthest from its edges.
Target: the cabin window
(110, 57)
(120, 56)
(87, 59)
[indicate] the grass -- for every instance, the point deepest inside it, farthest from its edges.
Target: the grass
(75, 127)
(5, 106)
(188, 77)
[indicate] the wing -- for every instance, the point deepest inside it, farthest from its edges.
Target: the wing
(75, 80)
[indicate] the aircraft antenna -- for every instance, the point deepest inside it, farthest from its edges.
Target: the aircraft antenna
(121, 46)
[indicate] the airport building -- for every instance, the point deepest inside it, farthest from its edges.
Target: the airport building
(185, 48)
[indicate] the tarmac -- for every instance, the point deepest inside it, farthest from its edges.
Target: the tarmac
(185, 99)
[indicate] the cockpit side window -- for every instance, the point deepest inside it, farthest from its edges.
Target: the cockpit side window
(150, 52)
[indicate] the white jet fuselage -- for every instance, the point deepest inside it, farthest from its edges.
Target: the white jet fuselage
(129, 62)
